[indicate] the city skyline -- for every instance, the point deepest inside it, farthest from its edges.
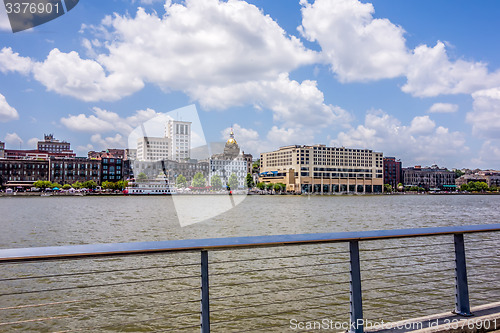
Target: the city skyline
(417, 80)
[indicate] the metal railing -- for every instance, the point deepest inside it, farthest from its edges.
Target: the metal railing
(261, 283)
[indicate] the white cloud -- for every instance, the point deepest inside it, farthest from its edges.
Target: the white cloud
(431, 73)
(485, 117)
(489, 156)
(281, 136)
(443, 108)
(32, 143)
(248, 139)
(421, 125)
(421, 142)
(83, 150)
(358, 46)
(7, 112)
(107, 121)
(13, 62)
(85, 79)
(13, 139)
(293, 104)
(116, 141)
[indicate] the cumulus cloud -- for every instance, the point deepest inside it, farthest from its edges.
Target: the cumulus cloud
(116, 141)
(7, 112)
(32, 143)
(485, 117)
(420, 142)
(292, 103)
(13, 62)
(13, 139)
(489, 155)
(357, 46)
(431, 73)
(443, 108)
(107, 121)
(85, 79)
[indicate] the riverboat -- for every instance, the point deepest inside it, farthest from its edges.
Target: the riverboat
(156, 186)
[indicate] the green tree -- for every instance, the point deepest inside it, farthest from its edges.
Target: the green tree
(142, 177)
(387, 188)
(198, 180)
(464, 187)
(216, 182)
(56, 185)
(43, 184)
(478, 186)
(108, 185)
(233, 182)
(66, 186)
(249, 181)
(77, 185)
(269, 186)
(256, 166)
(279, 187)
(181, 181)
(261, 186)
(459, 173)
(400, 187)
(121, 184)
(90, 184)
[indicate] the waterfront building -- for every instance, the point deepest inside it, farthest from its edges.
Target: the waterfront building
(430, 178)
(179, 133)
(111, 169)
(110, 152)
(22, 173)
(2, 149)
(187, 168)
(490, 177)
(153, 148)
(71, 170)
(393, 172)
(249, 159)
(130, 154)
(51, 145)
(231, 161)
(322, 169)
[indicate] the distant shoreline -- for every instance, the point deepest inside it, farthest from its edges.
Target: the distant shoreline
(67, 194)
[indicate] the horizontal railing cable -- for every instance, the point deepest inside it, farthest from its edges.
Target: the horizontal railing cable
(94, 272)
(278, 268)
(96, 299)
(97, 285)
(278, 257)
(275, 291)
(276, 302)
(405, 246)
(278, 279)
(409, 274)
(276, 313)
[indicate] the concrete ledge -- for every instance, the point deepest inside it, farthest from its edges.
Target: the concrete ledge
(486, 318)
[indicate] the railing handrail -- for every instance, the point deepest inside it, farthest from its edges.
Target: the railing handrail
(116, 249)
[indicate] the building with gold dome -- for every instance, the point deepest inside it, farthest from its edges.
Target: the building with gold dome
(231, 161)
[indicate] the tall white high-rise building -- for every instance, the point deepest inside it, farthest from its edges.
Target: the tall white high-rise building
(153, 148)
(179, 133)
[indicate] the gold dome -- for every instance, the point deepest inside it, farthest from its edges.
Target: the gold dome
(231, 139)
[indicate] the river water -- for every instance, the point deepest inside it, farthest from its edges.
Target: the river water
(290, 282)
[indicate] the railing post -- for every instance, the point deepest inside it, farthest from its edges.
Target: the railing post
(205, 294)
(356, 307)
(462, 306)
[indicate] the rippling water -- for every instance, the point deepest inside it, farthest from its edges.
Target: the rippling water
(250, 289)
(46, 221)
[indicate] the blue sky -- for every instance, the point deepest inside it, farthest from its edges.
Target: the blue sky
(419, 80)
